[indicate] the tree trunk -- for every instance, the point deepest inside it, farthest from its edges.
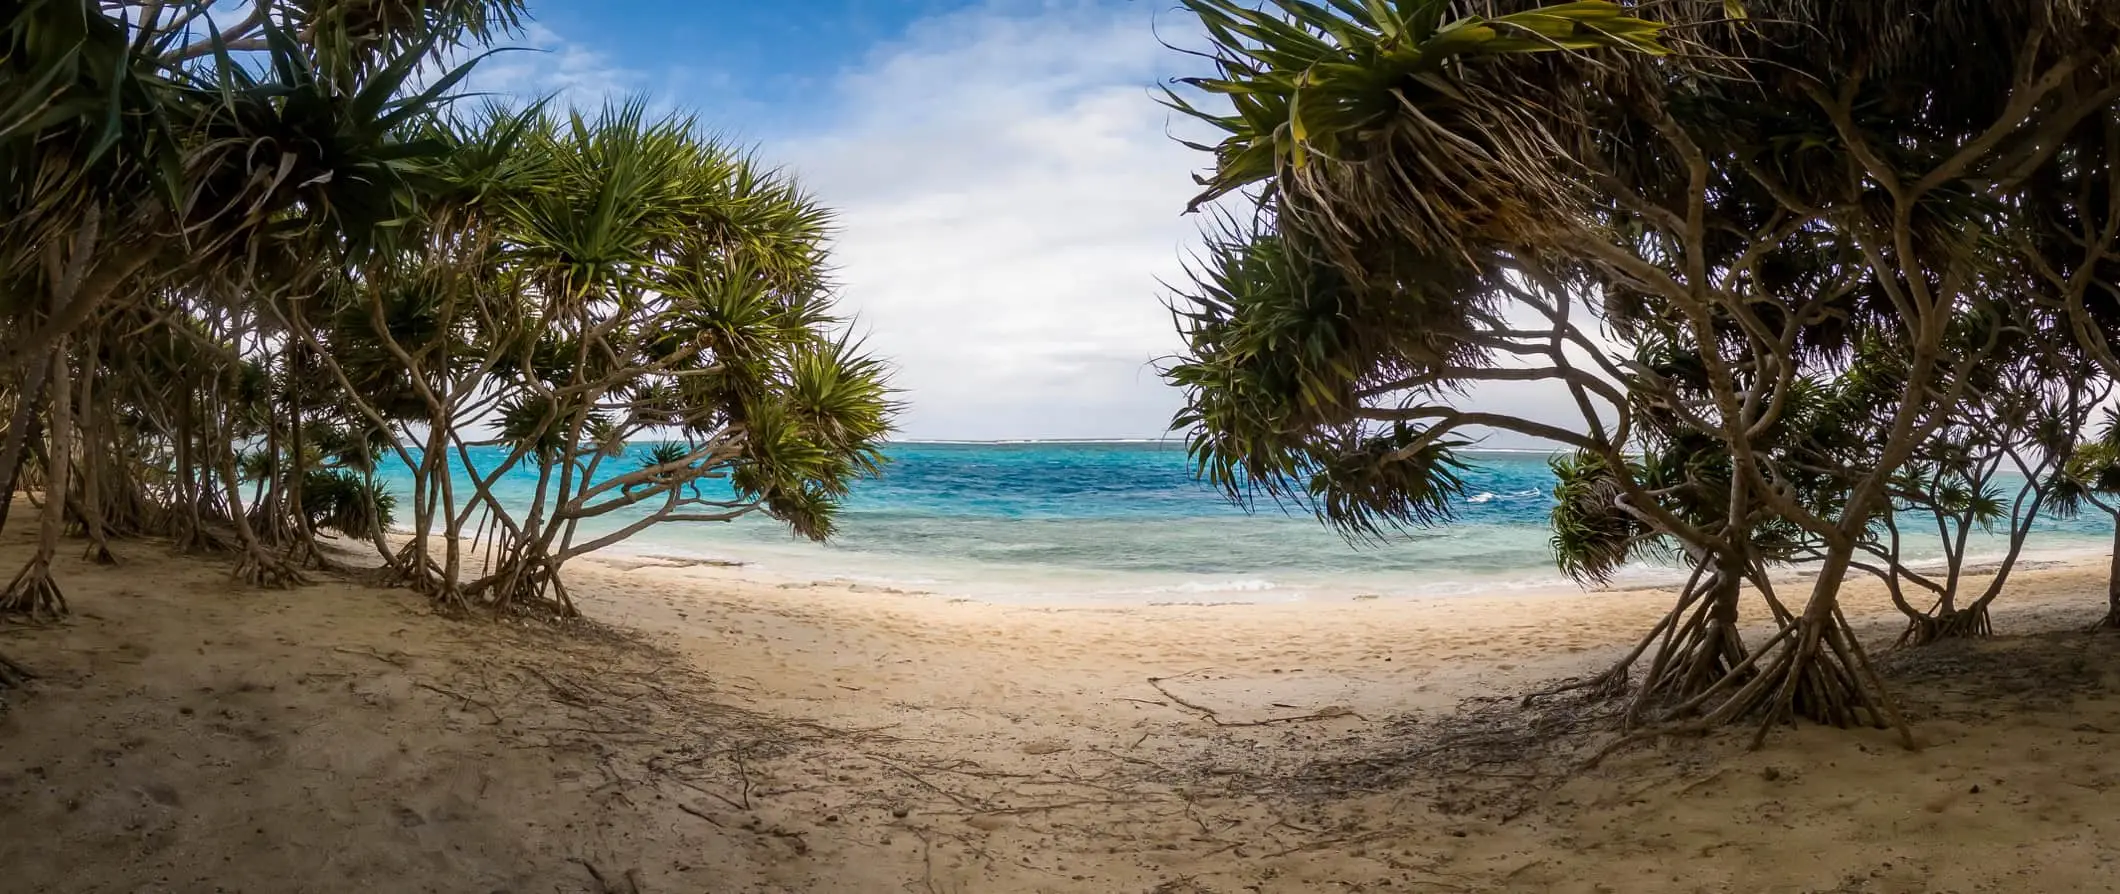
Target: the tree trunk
(1822, 674)
(2112, 584)
(20, 427)
(33, 592)
(91, 473)
(257, 567)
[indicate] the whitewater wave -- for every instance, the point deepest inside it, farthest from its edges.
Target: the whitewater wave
(1230, 586)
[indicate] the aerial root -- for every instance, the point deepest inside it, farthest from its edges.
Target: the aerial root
(194, 539)
(1965, 623)
(450, 601)
(268, 572)
(304, 553)
(527, 588)
(33, 593)
(12, 675)
(99, 552)
(1812, 669)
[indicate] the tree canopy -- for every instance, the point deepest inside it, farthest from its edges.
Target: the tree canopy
(1800, 269)
(252, 255)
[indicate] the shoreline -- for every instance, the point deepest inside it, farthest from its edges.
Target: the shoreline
(1260, 587)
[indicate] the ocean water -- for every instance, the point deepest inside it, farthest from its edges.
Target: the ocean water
(1126, 522)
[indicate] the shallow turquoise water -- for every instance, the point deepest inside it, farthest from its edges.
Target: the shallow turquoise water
(1126, 521)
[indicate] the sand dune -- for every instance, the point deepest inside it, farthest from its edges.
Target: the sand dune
(732, 736)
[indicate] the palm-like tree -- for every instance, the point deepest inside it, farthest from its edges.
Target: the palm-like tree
(1744, 196)
(247, 264)
(2091, 477)
(157, 173)
(583, 281)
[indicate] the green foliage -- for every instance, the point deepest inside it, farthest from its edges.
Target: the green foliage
(1279, 351)
(1593, 536)
(347, 501)
(273, 238)
(1313, 87)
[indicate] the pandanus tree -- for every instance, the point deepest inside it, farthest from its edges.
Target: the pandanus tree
(256, 257)
(1995, 468)
(2091, 478)
(1754, 188)
(155, 161)
(584, 283)
(682, 292)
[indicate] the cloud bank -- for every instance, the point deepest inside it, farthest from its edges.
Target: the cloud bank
(1009, 198)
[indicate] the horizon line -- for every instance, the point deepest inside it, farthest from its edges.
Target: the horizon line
(1172, 439)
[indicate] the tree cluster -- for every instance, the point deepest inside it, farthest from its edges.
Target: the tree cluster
(1820, 283)
(253, 255)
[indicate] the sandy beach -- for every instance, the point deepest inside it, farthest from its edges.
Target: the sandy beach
(718, 735)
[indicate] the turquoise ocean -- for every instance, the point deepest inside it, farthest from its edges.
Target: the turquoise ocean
(1126, 522)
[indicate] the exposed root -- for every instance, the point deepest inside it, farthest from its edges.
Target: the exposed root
(260, 570)
(100, 553)
(525, 588)
(1610, 684)
(449, 601)
(1966, 623)
(1696, 644)
(195, 539)
(33, 593)
(303, 552)
(1707, 655)
(1813, 669)
(414, 570)
(12, 675)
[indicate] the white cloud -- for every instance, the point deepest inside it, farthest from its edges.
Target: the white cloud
(1010, 201)
(542, 63)
(1009, 198)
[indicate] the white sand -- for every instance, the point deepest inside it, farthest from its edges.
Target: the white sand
(192, 736)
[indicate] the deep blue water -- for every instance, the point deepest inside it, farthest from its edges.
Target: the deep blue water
(1127, 520)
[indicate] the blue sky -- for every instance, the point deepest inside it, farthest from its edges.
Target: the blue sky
(1009, 196)
(758, 63)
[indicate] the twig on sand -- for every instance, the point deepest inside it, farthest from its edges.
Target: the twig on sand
(927, 862)
(699, 813)
(460, 696)
(367, 654)
(743, 774)
(1215, 717)
(961, 802)
(631, 877)
(1039, 808)
(1203, 710)
(1336, 841)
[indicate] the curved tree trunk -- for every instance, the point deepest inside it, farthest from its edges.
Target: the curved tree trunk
(258, 566)
(2111, 621)
(1821, 672)
(1703, 654)
(33, 592)
(91, 508)
(21, 426)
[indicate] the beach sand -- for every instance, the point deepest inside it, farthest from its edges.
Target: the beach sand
(719, 735)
